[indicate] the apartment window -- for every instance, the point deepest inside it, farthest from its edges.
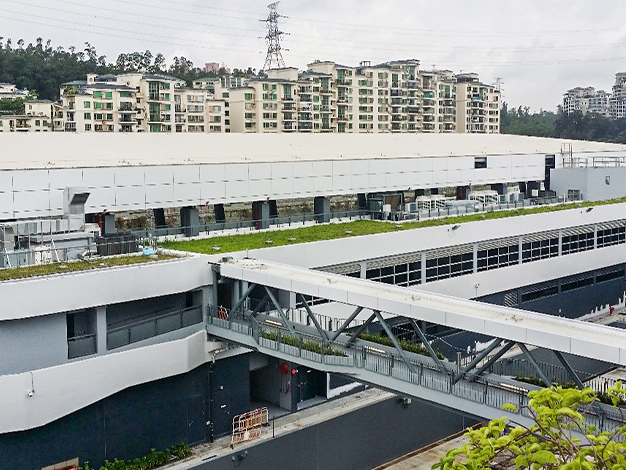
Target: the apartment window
(166, 97)
(168, 107)
(87, 127)
(249, 115)
(97, 94)
(217, 109)
(166, 86)
(227, 95)
(98, 127)
(109, 94)
(110, 128)
(98, 117)
(88, 116)
(109, 117)
(109, 106)
(266, 86)
(97, 105)
(125, 94)
(248, 96)
(45, 123)
(87, 104)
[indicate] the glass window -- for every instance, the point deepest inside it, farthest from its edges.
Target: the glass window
(88, 116)
(109, 94)
(97, 94)
(97, 105)
(87, 104)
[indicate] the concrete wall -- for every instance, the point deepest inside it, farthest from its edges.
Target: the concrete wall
(32, 343)
(63, 389)
(39, 193)
(131, 422)
(591, 182)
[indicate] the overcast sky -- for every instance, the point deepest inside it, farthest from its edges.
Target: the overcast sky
(539, 48)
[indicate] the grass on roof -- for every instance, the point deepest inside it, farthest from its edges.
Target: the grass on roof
(73, 266)
(251, 241)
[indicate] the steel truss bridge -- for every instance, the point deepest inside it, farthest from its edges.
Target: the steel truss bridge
(470, 389)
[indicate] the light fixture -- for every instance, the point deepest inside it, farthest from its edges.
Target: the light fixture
(375, 350)
(589, 209)
(514, 388)
(454, 227)
(273, 322)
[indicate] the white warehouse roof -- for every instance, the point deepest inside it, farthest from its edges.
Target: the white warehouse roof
(66, 150)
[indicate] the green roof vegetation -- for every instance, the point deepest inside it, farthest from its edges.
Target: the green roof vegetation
(73, 266)
(251, 241)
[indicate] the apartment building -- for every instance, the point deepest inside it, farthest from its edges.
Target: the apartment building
(11, 92)
(137, 102)
(38, 116)
(617, 102)
(477, 106)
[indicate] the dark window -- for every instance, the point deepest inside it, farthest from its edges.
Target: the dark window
(611, 236)
(610, 276)
(577, 243)
(539, 294)
(577, 284)
(480, 162)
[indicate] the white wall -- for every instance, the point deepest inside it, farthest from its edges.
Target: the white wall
(31, 297)
(590, 181)
(39, 193)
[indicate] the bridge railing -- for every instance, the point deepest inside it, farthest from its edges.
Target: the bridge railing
(492, 391)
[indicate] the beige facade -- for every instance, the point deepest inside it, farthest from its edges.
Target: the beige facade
(138, 102)
(478, 106)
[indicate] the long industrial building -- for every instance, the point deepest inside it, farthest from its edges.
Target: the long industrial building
(114, 360)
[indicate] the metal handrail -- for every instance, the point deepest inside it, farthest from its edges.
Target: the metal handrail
(159, 317)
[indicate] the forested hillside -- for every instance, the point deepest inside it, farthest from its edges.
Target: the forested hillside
(42, 67)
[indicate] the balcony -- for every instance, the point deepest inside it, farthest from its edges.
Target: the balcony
(155, 326)
(289, 127)
(289, 107)
(127, 109)
(325, 109)
(344, 82)
(325, 91)
(342, 118)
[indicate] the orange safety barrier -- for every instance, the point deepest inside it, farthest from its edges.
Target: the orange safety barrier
(222, 313)
(247, 426)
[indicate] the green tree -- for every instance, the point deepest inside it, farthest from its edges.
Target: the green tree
(558, 439)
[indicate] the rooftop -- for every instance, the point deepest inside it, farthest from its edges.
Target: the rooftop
(66, 150)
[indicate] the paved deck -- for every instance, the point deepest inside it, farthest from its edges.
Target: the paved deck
(284, 425)
(424, 459)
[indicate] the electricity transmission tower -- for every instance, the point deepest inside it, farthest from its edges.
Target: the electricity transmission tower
(274, 56)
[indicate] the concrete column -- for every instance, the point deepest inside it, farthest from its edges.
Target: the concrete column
(475, 257)
(220, 215)
(423, 268)
(561, 242)
(101, 330)
(521, 244)
(261, 214)
(321, 207)
(363, 265)
(108, 224)
(190, 221)
(159, 218)
(207, 293)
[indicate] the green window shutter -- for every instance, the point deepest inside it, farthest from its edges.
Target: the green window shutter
(168, 107)
(109, 117)
(109, 94)
(167, 96)
(87, 104)
(97, 94)
(97, 105)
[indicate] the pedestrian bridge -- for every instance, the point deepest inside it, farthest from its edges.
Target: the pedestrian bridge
(470, 389)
